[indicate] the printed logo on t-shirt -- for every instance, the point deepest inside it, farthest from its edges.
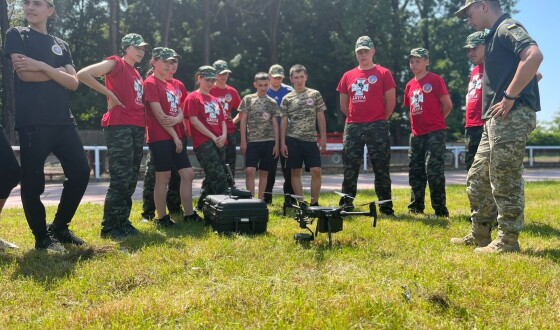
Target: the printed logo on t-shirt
(57, 50)
(372, 79)
(361, 86)
(266, 116)
(228, 98)
(310, 102)
(416, 101)
(173, 103)
(212, 110)
(178, 92)
(139, 89)
(427, 88)
(474, 85)
(224, 103)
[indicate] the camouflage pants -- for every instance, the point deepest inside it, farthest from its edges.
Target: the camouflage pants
(173, 196)
(472, 140)
(231, 152)
(376, 137)
(495, 181)
(426, 163)
(124, 148)
(211, 160)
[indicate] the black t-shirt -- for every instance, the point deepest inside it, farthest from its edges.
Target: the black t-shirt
(40, 103)
(506, 40)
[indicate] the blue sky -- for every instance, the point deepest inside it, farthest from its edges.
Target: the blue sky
(540, 18)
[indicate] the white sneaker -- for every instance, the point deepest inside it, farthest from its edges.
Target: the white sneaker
(7, 245)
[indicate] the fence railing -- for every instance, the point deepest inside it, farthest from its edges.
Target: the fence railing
(455, 151)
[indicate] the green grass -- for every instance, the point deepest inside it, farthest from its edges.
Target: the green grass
(402, 274)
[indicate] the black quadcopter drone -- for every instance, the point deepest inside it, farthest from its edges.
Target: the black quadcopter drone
(329, 219)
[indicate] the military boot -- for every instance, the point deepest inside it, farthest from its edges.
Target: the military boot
(479, 235)
(505, 242)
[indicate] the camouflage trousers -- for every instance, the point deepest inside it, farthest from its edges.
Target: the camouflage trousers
(231, 152)
(173, 196)
(472, 140)
(211, 159)
(376, 137)
(124, 148)
(495, 183)
(426, 164)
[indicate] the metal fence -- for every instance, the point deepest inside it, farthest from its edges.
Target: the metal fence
(455, 157)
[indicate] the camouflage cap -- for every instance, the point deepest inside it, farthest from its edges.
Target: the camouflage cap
(420, 52)
(133, 39)
(462, 12)
(276, 71)
(207, 71)
(475, 39)
(364, 42)
(164, 53)
(51, 2)
(221, 67)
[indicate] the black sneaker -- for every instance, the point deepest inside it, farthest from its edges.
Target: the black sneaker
(314, 204)
(129, 230)
(50, 244)
(165, 221)
(388, 213)
(415, 211)
(115, 234)
(193, 218)
(64, 236)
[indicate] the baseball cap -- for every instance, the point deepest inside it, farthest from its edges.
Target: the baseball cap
(276, 71)
(420, 52)
(462, 12)
(207, 71)
(364, 42)
(475, 39)
(51, 2)
(133, 39)
(221, 67)
(164, 53)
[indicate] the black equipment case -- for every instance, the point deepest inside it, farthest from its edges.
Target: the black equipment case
(233, 214)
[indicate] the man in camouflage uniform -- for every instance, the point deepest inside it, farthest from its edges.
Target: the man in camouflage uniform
(259, 133)
(510, 100)
(367, 99)
(302, 110)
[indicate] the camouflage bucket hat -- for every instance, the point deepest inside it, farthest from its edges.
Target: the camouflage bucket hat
(221, 67)
(475, 39)
(364, 42)
(207, 71)
(462, 12)
(133, 39)
(164, 53)
(420, 52)
(276, 71)
(51, 2)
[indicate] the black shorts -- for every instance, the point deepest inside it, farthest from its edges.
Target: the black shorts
(259, 154)
(302, 151)
(166, 158)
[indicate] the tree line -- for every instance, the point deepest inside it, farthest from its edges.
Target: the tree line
(254, 34)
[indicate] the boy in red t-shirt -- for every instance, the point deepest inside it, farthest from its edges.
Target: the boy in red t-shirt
(209, 133)
(230, 99)
(426, 95)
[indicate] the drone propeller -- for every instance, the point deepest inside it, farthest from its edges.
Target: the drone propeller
(344, 195)
(376, 202)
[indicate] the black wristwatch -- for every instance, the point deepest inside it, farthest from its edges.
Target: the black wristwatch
(508, 97)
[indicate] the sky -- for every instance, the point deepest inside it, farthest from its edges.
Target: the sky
(539, 18)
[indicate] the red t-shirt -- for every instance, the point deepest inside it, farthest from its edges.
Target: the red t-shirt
(126, 83)
(474, 98)
(182, 93)
(208, 110)
(366, 90)
(423, 98)
(164, 93)
(230, 100)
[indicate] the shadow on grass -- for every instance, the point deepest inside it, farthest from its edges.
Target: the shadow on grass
(541, 229)
(165, 235)
(428, 220)
(552, 254)
(45, 267)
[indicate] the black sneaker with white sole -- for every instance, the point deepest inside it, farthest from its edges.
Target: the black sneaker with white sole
(65, 235)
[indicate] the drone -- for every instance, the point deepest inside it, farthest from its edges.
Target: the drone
(329, 219)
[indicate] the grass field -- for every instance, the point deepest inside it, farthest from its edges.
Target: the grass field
(402, 274)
